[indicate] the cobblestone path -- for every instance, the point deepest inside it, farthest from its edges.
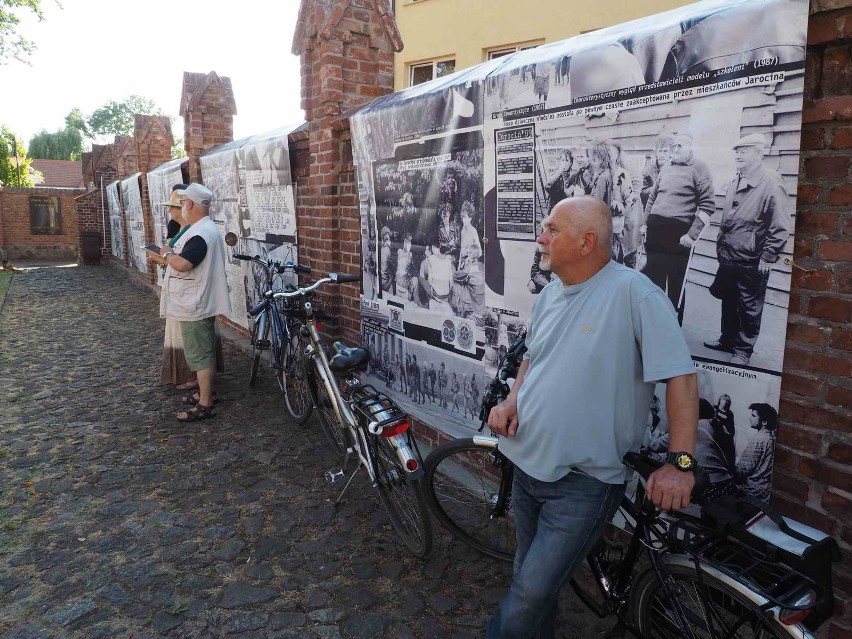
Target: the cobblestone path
(118, 522)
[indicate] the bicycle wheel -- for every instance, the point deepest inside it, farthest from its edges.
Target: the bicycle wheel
(402, 498)
(260, 331)
(324, 404)
(297, 395)
(462, 487)
(712, 608)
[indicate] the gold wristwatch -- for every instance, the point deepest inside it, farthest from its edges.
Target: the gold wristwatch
(683, 461)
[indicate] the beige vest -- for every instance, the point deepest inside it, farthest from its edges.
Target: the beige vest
(201, 291)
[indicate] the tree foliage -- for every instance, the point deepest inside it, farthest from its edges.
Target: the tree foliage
(117, 118)
(13, 46)
(8, 161)
(64, 144)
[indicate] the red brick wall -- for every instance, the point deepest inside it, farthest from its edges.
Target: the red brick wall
(16, 238)
(813, 477)
(346, 54)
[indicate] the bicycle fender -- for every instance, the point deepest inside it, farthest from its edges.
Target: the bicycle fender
(797, 631)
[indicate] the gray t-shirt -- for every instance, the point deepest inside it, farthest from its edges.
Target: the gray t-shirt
(596, 349)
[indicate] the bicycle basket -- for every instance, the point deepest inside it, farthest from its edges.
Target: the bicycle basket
(752, 543)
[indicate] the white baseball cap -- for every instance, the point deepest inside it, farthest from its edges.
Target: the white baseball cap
(198, 193)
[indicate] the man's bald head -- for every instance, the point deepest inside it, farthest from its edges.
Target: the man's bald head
(587, 213)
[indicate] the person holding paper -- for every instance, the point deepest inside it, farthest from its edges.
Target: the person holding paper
(197, 292)
(175, 370)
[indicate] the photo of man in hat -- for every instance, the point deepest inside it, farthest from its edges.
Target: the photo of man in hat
(756, 222)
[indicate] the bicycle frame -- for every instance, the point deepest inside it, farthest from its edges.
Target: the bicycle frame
(316, 357)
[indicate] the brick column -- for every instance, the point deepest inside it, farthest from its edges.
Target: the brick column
(154, 140)
(99, 169)
(813, 479)
(208, 108)
(346, 49)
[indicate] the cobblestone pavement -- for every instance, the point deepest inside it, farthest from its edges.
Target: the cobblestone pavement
(118, 522)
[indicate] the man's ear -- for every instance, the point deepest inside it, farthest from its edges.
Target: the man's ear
(590, 241)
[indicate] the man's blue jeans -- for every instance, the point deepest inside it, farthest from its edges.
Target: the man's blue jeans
(557, 523)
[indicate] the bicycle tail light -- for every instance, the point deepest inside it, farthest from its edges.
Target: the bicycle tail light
(411, 465)
(395, 429)
(807, 599)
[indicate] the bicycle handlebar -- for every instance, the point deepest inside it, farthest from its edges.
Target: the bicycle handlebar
(272, 264)
(334, 278)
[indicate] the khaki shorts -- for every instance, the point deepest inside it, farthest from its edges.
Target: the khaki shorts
(199, 343)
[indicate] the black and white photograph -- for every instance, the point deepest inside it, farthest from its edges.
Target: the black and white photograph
(115, 220)
(737, 426)
(251, 181)
(427, 249)
(501, 328)
(160, 183)
(686, 125)
(267, 209)
(439, 386)
(45, 215)
(131, 196)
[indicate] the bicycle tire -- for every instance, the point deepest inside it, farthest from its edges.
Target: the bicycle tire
(733, 615)
(294, 382)
(462, 484)
(331, 426)
(261, 329)
(402, 498)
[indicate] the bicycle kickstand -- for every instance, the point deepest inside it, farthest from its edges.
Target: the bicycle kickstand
(349, 481)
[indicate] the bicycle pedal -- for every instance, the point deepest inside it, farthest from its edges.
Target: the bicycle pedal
(333, 475)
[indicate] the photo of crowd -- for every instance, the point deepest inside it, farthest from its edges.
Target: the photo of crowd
(428, 228)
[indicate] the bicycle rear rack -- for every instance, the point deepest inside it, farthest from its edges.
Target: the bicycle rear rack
(376, 408)
(778, 583)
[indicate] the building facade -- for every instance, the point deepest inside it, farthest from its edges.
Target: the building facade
(443, 36)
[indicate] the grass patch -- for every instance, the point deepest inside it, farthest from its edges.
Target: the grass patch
(5, 278)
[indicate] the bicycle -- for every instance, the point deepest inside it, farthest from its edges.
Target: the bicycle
(362, 423)
(699, 582)
(276, 329)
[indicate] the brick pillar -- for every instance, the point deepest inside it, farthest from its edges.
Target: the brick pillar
(99, 169)
(813, 476)
(208, 108)
(154, 140)
(346, 49)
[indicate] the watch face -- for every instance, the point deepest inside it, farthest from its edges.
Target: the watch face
(684, 462)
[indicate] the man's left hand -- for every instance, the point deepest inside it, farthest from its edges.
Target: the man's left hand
(686, 241)
(670, 488)
(764, 267)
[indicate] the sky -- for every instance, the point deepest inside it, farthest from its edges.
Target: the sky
(93, 51)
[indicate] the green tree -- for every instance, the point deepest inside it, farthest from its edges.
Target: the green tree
(178, 150)
(64, 144)
(116, 118)
(11, 153)
(13, 46)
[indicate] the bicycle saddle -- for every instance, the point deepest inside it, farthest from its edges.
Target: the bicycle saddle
(346, 358)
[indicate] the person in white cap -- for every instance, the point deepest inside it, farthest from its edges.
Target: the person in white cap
(755, 225)
(196, 292)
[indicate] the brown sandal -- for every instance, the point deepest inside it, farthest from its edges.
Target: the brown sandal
(193, 398)
(196, 413)
(188, 385)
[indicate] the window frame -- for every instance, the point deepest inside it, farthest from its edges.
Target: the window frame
(429, 63)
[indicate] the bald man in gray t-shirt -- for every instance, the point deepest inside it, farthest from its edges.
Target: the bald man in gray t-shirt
(600, 337)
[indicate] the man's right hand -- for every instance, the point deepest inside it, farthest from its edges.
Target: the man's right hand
(503, 418)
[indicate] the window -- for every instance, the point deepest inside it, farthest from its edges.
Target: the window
(420, 73)
(500, 52)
